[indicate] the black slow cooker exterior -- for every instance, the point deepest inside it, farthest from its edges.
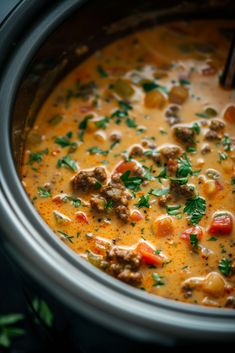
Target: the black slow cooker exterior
(39, 43)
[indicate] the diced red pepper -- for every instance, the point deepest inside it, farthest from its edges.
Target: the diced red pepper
(222, 223)
(124, 166)
(192, 230)
(148, 255)
(82, 217)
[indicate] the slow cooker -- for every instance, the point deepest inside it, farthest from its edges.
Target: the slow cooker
(40, 43)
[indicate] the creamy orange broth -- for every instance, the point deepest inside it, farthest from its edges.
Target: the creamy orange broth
(179, 54)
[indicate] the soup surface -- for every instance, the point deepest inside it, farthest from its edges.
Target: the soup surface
(131, 162)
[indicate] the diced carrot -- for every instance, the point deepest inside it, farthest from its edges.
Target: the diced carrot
(136, 216)
(148, 255)
(82, 217)
(229, 114)
(222, 223)
(192, 230)
(163, 226)
(124, 166)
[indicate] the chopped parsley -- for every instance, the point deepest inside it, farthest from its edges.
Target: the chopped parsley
(195, 207)
(8, 330)
(124, 105)
(233, 183)
(173, 210)
(74, 201)
(102, 123)
(83, 123)
(158, 280)
(212, 239)
(65, 142)
(43, 192)
(109, 204)
(194, 240)
(67, 236)
(101, 71)
(56, 119)
(196, 128)
(159, 192)
(148, 175)
(43, 311)
(191, 149)
(184, 167)
(97, 150)
(184, 82)
(132, 183)
(162, 174)
(131, 123)
(222, 157)
(225, 266)
(202, 115)
(143, 202)
(68, 162)
(180, 181)
(37, 156)
(149, 86)
(226, 142)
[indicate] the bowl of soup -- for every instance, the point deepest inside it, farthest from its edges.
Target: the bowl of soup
(118, 166)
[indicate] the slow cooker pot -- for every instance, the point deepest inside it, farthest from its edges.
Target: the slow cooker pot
(40, 42)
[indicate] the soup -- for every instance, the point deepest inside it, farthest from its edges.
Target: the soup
(131, 162)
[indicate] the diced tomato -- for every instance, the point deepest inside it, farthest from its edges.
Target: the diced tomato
(59, 198)
(148, 255)
(136, 216)
(82, 217)
(192, 230)
(124, 166)
(222, 223)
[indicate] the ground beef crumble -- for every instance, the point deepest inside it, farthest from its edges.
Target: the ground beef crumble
(124, 264)
(87, 180)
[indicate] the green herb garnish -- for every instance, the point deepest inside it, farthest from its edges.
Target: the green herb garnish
(131, 182)
(196, 128)
(143, 202)
(44, 313)
(68, 162)
(195, 207)
(37, 156)
(157, 280)
(173, 210)
(159, 192)
(97, 150)
(8, 330)
(131, 123)
(194, 240)
(222, 157)
(125, 105)
(67, 236)
(43, 192)
(56, 119)
(83, 123)
(103, 123)
(225, 266)
(148, 175)
(101, 71)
